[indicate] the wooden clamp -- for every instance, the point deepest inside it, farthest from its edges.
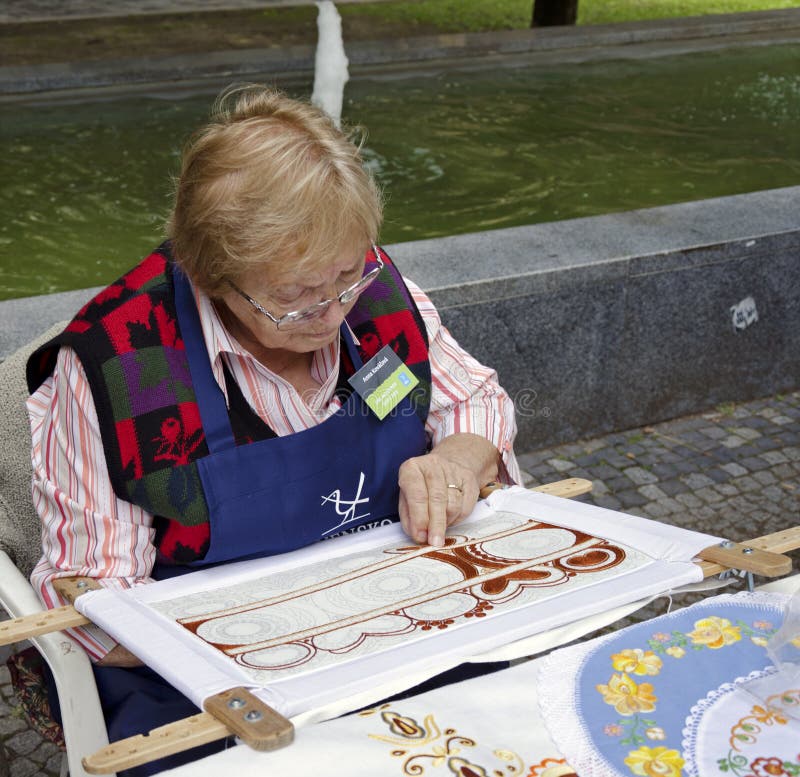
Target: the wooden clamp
(70, 588)
(57, 619)
(236, 711)
(166, 740)
(250, 719)
(761, 556)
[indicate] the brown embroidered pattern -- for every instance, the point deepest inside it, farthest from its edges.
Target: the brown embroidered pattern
(442, 747)
(302, 619)
(552, 767)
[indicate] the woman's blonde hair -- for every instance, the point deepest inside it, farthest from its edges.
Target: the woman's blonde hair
(269, 180)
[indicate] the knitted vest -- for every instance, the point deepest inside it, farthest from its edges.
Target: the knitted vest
(129, 342)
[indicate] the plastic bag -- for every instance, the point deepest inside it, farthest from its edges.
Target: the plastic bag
(783, 649)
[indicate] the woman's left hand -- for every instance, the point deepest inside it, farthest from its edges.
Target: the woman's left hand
(439, 489)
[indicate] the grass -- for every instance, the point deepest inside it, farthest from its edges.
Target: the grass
(479, 15)
(608, 11)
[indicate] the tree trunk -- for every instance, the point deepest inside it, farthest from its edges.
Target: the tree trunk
(547, 13)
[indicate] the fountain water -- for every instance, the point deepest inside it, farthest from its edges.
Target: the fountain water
(330, 65)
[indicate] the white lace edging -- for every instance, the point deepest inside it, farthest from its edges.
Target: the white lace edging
(696, 714)
(560, 707)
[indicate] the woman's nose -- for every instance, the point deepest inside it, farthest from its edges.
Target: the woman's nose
(334, 312)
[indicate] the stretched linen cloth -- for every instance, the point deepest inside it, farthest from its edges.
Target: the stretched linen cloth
(355, 616)
(690, 693)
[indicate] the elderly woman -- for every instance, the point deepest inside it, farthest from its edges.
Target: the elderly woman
(265, 379)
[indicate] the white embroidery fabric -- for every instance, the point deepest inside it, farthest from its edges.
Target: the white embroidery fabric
(764, 704)
(692, 738)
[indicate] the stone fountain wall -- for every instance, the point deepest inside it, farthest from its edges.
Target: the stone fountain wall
(617, 321)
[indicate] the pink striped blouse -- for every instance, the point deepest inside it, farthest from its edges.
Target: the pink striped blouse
(87, 530)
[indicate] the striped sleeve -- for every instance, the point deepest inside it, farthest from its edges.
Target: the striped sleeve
(465, 396)
(86, 529)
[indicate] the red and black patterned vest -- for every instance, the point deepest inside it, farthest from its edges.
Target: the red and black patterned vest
(129, 343)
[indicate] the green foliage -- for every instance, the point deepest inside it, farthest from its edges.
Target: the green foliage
(449, 15)
(608, 11)
(481, 15)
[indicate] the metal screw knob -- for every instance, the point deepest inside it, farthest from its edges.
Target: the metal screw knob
(236, 703)
(726, 544)
(253, 716)
(747, 550)
(81, 584)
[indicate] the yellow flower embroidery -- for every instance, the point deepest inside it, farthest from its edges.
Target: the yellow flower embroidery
(654, 762)
(714, 632)
(626, 696)
(760, 641)
(440, 754)
(676, 652)
(637, 661)
(769, 715)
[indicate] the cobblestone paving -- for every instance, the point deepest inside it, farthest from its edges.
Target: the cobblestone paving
(733, 472)
(22, 751)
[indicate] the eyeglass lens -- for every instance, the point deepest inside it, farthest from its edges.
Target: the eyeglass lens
(300, 317)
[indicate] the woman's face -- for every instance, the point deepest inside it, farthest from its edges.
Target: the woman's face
(282, 291)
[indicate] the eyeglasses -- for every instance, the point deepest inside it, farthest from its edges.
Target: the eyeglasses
(299, 318)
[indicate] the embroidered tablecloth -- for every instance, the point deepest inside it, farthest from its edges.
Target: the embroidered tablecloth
(687, 693)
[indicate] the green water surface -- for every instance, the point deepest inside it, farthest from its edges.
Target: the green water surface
(86, 186)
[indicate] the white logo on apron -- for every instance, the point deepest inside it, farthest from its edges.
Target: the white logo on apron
(348, 514)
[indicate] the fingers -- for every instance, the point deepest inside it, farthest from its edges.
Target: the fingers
(461, 503)
(434, 494)
(423, 499)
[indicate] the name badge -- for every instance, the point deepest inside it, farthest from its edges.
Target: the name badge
(383, 382)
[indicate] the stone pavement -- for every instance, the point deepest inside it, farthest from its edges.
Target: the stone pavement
(733, 472)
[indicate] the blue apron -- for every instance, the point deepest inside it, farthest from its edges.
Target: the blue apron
(282, 493)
